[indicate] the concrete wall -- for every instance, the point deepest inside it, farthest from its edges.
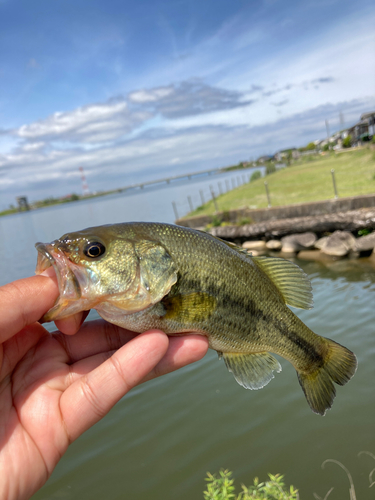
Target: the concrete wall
(285, 212)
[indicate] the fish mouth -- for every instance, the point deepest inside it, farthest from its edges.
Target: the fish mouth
(70, 279)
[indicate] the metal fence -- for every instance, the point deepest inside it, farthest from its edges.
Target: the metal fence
(276, 192)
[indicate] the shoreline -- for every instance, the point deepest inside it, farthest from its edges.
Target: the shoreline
(334, 229)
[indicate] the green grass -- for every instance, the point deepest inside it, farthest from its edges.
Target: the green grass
(306, 180)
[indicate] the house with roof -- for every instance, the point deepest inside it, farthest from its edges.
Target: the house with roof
(364, 129)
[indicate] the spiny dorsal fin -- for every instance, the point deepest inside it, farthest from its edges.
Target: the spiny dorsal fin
(252, 371)
(238, 249)
(230, 244)
(293, 284)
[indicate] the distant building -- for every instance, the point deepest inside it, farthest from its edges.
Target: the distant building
(22, 203)
(279, 156)
(296, 154)
(364, 129)
(263, 159)
(284, 154)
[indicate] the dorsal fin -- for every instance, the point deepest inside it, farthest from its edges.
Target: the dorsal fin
(233, 246)
(229, 244)
(293, 284)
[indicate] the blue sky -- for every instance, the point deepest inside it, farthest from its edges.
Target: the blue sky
(138, 90)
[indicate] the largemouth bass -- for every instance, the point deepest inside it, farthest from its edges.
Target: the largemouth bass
(148, 275)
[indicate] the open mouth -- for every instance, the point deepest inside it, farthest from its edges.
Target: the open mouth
(49, 255)
(68, 302)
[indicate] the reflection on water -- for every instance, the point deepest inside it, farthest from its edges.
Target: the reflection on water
(350, 269)
(162, 438)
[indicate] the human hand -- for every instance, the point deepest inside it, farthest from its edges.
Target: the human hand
(53, 387)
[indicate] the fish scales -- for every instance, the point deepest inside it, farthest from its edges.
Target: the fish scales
(149, 275)
(236, 316)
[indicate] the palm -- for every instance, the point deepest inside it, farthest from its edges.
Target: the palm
(43, 387)
(53, 387)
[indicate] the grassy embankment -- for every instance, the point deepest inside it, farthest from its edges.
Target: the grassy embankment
(308, 179)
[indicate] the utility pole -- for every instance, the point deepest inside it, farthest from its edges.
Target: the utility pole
(342, 121)
(85, 186)
(327, 127)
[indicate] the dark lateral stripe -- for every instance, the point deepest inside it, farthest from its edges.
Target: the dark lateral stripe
(241, 306)
(305, 346)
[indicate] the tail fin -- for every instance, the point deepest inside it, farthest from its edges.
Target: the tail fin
(339, 366)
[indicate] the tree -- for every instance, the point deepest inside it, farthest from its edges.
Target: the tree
(270, 168)
(255, 175)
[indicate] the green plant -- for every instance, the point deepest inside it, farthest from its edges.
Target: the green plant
(245, 220)
(364, 232)
(255, 175)
(222, 487)
(270, 169)
(219, 488)
(216, 221)
(347, 142)
(225, 216)
(352, 493)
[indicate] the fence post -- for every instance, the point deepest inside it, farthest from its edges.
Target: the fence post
(268, 194)
(334, 183)
(190, 204)
(175, 210)
(214, 199)
(202, 197)
(220, 189)
(227, 185)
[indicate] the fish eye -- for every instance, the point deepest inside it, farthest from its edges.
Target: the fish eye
(93, 250)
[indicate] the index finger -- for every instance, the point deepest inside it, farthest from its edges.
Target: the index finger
(24, 302)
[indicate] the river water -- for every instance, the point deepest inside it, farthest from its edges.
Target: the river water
(161, 439)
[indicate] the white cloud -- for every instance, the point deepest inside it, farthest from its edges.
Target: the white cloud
(92, 123)
(142, 96)
(249, 107)
(156, 149)
(109, 121)
(33, 146)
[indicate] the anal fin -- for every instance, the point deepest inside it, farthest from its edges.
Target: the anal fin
(252, 371)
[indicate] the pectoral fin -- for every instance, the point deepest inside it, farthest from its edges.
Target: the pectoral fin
(252, 371)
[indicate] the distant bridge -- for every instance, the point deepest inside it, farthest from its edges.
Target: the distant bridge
(167, 180)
